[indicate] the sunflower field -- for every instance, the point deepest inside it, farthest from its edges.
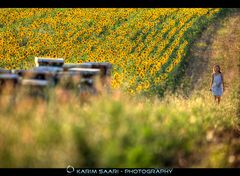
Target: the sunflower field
(144, 45)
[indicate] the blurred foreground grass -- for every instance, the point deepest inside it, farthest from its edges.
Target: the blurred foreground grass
(117, 131)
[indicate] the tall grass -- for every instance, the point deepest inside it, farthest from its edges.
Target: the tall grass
(115, 131)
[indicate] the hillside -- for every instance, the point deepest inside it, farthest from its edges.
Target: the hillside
(144, 45)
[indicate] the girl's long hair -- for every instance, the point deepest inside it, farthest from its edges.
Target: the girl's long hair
(218, 67)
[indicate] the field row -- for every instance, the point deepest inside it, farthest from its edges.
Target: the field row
(144, 45)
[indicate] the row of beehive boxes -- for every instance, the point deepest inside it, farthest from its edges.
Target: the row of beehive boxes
(91, 77)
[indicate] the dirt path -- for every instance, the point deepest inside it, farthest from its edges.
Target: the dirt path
(218, 44)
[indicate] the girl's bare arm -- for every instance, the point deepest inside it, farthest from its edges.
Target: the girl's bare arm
(211, 82)
(223, 82)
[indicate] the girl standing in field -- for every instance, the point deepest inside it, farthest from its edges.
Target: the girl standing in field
(217, 84)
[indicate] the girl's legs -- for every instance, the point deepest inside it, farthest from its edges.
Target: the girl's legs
(215, 98)
(218, 99)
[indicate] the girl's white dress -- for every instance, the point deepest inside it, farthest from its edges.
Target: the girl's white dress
(217, 86)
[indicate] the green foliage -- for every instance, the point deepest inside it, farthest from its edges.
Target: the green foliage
(114, 131)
